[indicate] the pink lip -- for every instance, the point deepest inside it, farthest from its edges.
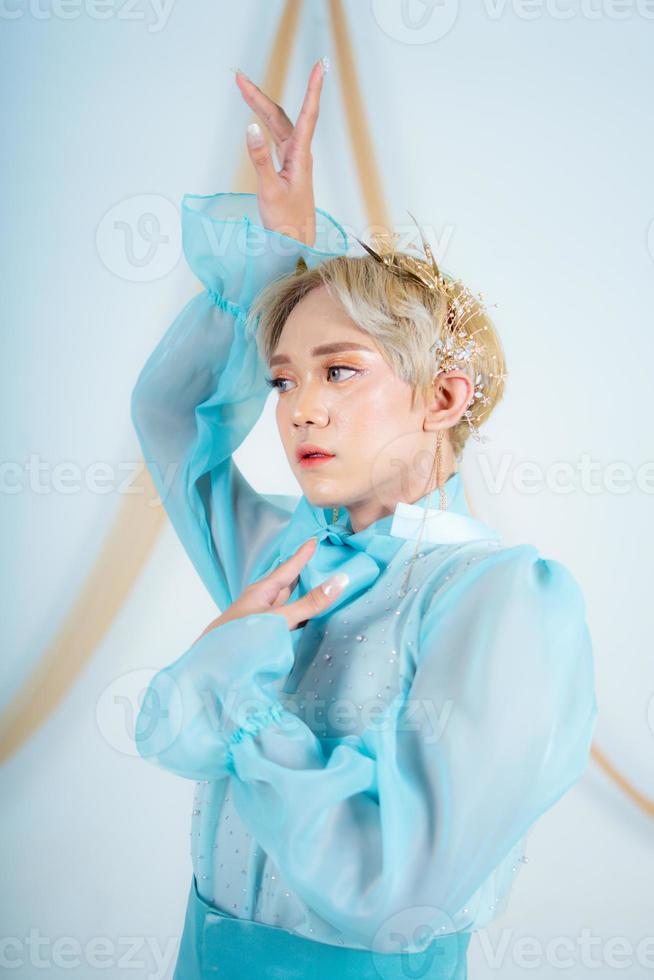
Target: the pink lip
(308, 461)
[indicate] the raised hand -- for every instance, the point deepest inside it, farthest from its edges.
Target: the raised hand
(285, 197)
(270, 593)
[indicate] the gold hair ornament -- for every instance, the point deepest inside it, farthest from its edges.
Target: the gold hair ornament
(457, 349)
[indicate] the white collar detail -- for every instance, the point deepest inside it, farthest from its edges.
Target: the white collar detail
(441, 526)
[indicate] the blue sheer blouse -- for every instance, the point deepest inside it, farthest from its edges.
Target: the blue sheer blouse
(380, 767)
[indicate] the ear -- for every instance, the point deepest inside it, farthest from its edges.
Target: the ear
(452, 392)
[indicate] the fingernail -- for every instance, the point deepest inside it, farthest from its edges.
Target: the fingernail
(237, 71)
(255, 136)
(335, 583)
(325, 65)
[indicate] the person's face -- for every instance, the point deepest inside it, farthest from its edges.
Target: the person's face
(350, 403)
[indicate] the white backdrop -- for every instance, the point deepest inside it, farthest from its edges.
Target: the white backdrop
(520, 134)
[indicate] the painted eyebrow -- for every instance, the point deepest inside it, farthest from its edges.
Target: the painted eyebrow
(322, 349)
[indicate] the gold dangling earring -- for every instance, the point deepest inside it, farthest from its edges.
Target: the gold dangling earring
(439, 457)
(437, 468)
(335, 513)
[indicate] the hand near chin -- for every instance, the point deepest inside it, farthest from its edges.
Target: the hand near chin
(270, 593)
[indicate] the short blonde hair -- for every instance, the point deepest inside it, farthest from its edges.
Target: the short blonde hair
(403, 317)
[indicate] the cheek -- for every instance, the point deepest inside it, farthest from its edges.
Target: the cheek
(285, 427)
(281, 415)
(373, 412)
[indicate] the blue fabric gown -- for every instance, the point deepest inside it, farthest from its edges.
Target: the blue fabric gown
(365, 783)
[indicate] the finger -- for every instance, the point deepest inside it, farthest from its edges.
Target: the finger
(318, 599)
(306, 121)
(283, 596)
(287, 573)
(260, 155)
(269, 112)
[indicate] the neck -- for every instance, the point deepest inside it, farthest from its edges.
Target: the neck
(365, 512)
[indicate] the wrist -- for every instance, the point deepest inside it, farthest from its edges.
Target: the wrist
(303, 231)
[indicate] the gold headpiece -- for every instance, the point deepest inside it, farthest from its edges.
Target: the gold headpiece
(459, 346)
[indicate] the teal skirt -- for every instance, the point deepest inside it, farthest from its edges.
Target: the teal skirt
(217, 945)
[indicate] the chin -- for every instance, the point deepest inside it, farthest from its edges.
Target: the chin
(322, 496)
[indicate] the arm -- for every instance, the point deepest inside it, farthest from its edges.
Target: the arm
(202, 389)
(403, 817)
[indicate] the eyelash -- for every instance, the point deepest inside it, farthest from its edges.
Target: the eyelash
(274, 382)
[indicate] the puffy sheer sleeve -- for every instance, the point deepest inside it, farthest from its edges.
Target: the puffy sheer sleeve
(203, 387)
(493, 724)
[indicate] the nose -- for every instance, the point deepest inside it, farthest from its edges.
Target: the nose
(309, 406)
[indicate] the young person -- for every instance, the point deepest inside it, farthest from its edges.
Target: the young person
(368, 759)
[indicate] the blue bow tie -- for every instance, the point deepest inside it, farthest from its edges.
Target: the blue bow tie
(362, 555)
